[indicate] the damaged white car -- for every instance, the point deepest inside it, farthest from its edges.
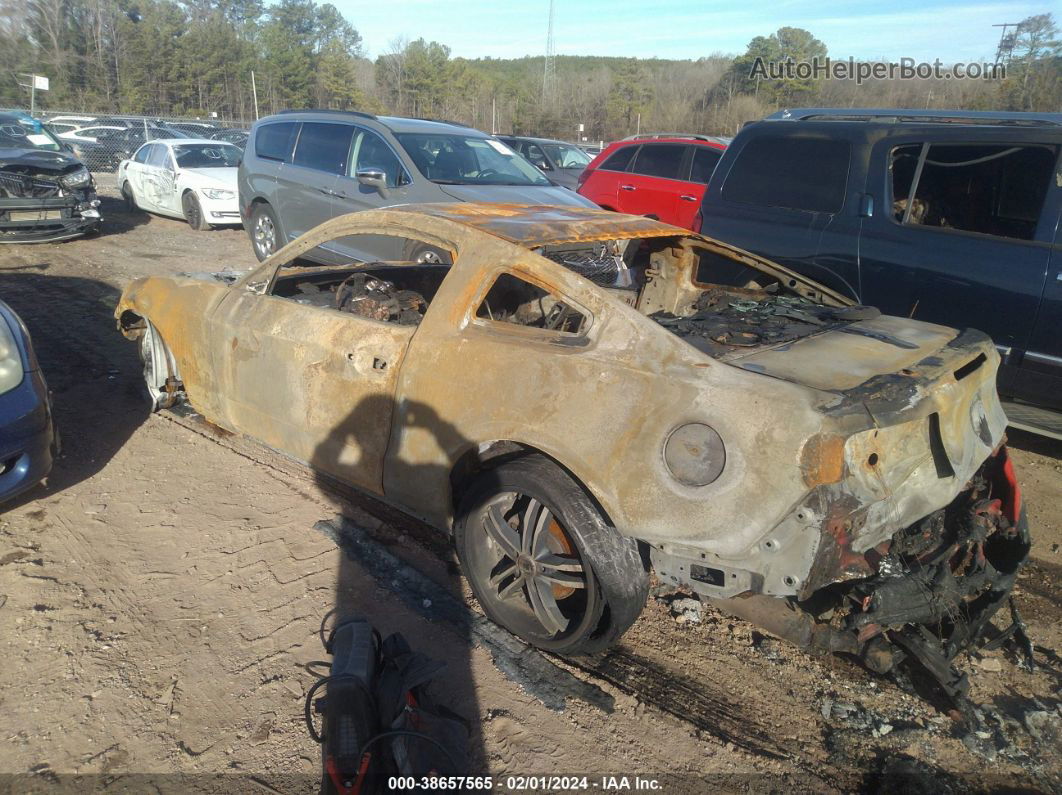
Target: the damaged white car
(193, 179)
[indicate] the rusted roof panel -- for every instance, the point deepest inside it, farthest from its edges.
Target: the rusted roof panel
(533, 225)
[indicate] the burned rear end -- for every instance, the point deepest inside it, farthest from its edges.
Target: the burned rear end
(910, 532)
(45, 196)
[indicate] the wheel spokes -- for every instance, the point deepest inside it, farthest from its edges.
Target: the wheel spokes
(545, 607)
(561, 570)
(497, 527)
(536, 516)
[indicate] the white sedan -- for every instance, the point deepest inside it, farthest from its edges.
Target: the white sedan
(189, 178)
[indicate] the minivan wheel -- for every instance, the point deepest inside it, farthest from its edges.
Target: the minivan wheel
(426, 254)
(542, 560)
(265, 231)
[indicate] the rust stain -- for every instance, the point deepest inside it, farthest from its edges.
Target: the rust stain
(822, 460)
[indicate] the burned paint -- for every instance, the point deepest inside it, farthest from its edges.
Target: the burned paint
(835, 443)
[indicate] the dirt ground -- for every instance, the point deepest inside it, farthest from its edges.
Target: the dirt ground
(162, 595)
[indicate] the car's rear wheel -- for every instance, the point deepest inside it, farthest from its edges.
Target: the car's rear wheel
(542, 560)
(265, 231)
(193, 212)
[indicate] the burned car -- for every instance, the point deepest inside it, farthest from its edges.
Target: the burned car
(584, 396)
(45, 192)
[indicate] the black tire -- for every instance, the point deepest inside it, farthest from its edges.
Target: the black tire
(129, 198)
(511, 591)
(264, 231)
(422, 252)
(193, 212)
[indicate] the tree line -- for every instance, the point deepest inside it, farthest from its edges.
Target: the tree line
(195, 57)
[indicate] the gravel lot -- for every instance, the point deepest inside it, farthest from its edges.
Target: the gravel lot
(162, 594)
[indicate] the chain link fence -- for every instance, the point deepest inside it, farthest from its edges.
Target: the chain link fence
(102, 140)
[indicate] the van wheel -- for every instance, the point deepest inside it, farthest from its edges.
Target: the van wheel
(265, 231)
(542, 560)
(429, 255)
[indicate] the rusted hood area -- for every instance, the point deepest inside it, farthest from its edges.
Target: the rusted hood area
(843, 358)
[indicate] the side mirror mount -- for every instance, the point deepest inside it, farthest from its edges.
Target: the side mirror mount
(374, 178)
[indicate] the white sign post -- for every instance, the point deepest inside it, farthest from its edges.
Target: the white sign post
(37, 83)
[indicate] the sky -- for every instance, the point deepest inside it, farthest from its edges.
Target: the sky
(951, 30)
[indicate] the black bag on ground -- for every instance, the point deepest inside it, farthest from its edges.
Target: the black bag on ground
(379, 720)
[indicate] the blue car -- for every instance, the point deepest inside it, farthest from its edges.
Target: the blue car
(28, 439)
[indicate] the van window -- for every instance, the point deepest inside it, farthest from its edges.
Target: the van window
(807, 174)
(620, 159)
(274, 141)
(660, 160)
(323, 147)
(370, 152)
(992, 189)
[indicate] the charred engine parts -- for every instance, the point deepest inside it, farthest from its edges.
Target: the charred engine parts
(602, 264)
(936, 589)
(378, 299)
(727, 318)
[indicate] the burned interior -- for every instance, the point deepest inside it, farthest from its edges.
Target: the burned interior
(389, 292)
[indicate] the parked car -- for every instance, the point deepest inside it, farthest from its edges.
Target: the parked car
(88, 134)
(560, 161)
(29, 442)
(193, 179)
(113, 147)
(659, 177)
(946, 216)
(305, 167)
(582, 393)
(196, 129)
(234, 137)
(46, 193)
(80, 121)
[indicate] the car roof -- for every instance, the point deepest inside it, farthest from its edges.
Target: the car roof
(678, 139)
(894, 116)
(532, 225)
(396, 124)
(186, 141)
(400, 124)
(536, 140)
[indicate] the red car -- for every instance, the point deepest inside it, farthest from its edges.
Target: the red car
(662, 176)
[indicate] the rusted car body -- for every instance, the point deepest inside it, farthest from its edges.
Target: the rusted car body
(836, 475)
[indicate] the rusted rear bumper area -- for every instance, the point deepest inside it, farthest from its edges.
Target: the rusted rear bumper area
(936, 587)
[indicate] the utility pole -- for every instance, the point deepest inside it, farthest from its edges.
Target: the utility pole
(254, 91)
(549, 70)
(1006, 45)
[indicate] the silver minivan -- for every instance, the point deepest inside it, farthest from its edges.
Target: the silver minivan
(301, 168)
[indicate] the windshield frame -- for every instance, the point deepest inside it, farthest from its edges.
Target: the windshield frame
(413, 142)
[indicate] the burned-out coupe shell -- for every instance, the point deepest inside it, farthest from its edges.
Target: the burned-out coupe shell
(821, 443)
